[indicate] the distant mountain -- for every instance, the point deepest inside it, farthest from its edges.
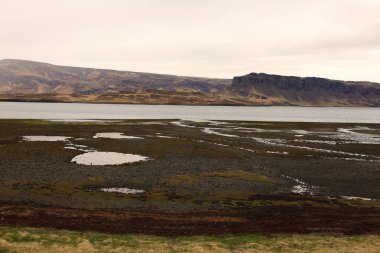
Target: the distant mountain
(33, 81)
(303, 91)
(26, 80)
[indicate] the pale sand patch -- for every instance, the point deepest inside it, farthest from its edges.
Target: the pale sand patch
(165, 137)
(115, 135)
(107, 158)
(122, 190)
(45, 138)
(355, 198)
(208, 130)
(181, 124)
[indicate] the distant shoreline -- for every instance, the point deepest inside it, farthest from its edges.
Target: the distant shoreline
(126, 103)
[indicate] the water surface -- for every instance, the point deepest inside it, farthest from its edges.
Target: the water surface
(73, 111)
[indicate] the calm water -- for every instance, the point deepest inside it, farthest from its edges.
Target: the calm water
(21, 110)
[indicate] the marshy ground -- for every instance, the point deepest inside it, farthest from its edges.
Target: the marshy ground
(191, 177)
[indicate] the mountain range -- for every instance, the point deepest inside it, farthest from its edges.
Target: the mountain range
(34, 81)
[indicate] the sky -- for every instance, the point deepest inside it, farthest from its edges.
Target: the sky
(337, 39)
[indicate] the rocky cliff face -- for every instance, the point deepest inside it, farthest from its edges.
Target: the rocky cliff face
(260, 88)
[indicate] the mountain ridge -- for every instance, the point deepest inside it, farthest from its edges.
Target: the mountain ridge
(34, 81)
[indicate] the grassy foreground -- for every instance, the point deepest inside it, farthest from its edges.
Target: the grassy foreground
(20, 239)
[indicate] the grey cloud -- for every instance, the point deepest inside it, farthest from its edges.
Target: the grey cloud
(216, 38)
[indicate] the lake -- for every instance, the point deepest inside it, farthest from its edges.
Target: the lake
(25, 110)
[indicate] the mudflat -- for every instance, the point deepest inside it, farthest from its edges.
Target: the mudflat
(194, 177)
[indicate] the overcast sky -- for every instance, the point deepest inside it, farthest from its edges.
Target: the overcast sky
(214, 38)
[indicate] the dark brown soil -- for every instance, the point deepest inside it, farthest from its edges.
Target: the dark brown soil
(331, 217)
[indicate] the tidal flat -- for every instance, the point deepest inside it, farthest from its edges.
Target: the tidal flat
(195, 177)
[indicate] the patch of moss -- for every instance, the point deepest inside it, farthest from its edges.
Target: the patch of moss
(180, 180)
(188, 179)
(19, 239)
(4, 250)
(243, 175)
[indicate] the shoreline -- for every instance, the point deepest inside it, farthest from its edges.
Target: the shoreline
(179, 104)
